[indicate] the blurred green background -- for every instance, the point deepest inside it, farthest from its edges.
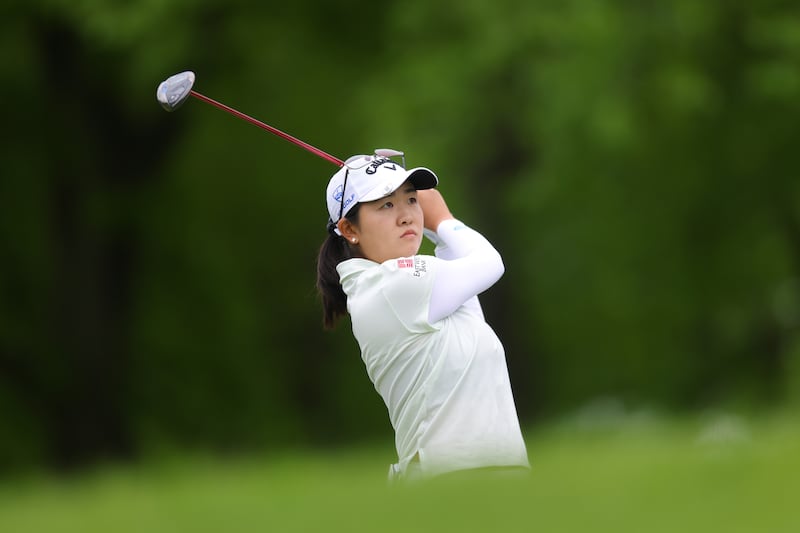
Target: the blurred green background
(634, 162)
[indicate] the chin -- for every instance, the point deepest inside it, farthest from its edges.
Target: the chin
(412, 251)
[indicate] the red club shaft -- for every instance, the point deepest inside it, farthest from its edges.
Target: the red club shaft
(276, 131)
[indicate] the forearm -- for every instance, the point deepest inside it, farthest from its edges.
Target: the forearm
(434, 208)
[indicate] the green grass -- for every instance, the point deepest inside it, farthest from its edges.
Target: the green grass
(634, 474)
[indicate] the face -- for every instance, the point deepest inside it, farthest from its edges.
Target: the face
(388, 228)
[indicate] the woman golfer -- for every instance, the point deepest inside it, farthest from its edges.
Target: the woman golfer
(437, 364)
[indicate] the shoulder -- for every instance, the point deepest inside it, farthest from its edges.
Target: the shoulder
(394, 272)
(354, 267)
(417, 265)
(392, 296)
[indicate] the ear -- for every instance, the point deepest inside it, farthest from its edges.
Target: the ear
(348, 230)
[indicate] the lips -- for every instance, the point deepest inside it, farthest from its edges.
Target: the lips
(409, 233)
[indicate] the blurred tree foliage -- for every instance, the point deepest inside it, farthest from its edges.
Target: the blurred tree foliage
(633, 161)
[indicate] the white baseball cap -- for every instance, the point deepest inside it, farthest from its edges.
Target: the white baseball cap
(364, 178)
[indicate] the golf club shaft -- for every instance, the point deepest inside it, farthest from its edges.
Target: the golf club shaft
(336, 161)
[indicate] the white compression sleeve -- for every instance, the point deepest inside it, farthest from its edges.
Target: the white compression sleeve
(470, 266)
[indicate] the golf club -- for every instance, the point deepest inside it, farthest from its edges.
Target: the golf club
(174, 91)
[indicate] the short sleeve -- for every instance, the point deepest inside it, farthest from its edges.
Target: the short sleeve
(407, 285)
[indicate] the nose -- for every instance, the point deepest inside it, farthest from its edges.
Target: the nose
(405, 216)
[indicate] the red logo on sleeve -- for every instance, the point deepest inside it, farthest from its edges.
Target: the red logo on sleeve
(405, 263)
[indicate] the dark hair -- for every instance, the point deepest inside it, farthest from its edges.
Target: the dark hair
(333, 251)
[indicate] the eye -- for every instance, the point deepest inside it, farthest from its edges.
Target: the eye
(387, 205)
(412, 200)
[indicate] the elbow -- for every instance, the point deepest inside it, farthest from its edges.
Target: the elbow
(498, 267)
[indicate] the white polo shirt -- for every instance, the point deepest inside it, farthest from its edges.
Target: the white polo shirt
(443, 379)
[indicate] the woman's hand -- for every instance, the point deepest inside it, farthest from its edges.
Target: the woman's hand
(434, 208)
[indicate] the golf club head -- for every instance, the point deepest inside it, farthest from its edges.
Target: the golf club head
(173, 91)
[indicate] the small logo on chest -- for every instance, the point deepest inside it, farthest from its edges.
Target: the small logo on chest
(416, 266)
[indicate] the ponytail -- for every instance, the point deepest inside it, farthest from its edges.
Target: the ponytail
(333, 251)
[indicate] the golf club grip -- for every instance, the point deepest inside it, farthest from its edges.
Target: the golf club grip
(336, 161)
